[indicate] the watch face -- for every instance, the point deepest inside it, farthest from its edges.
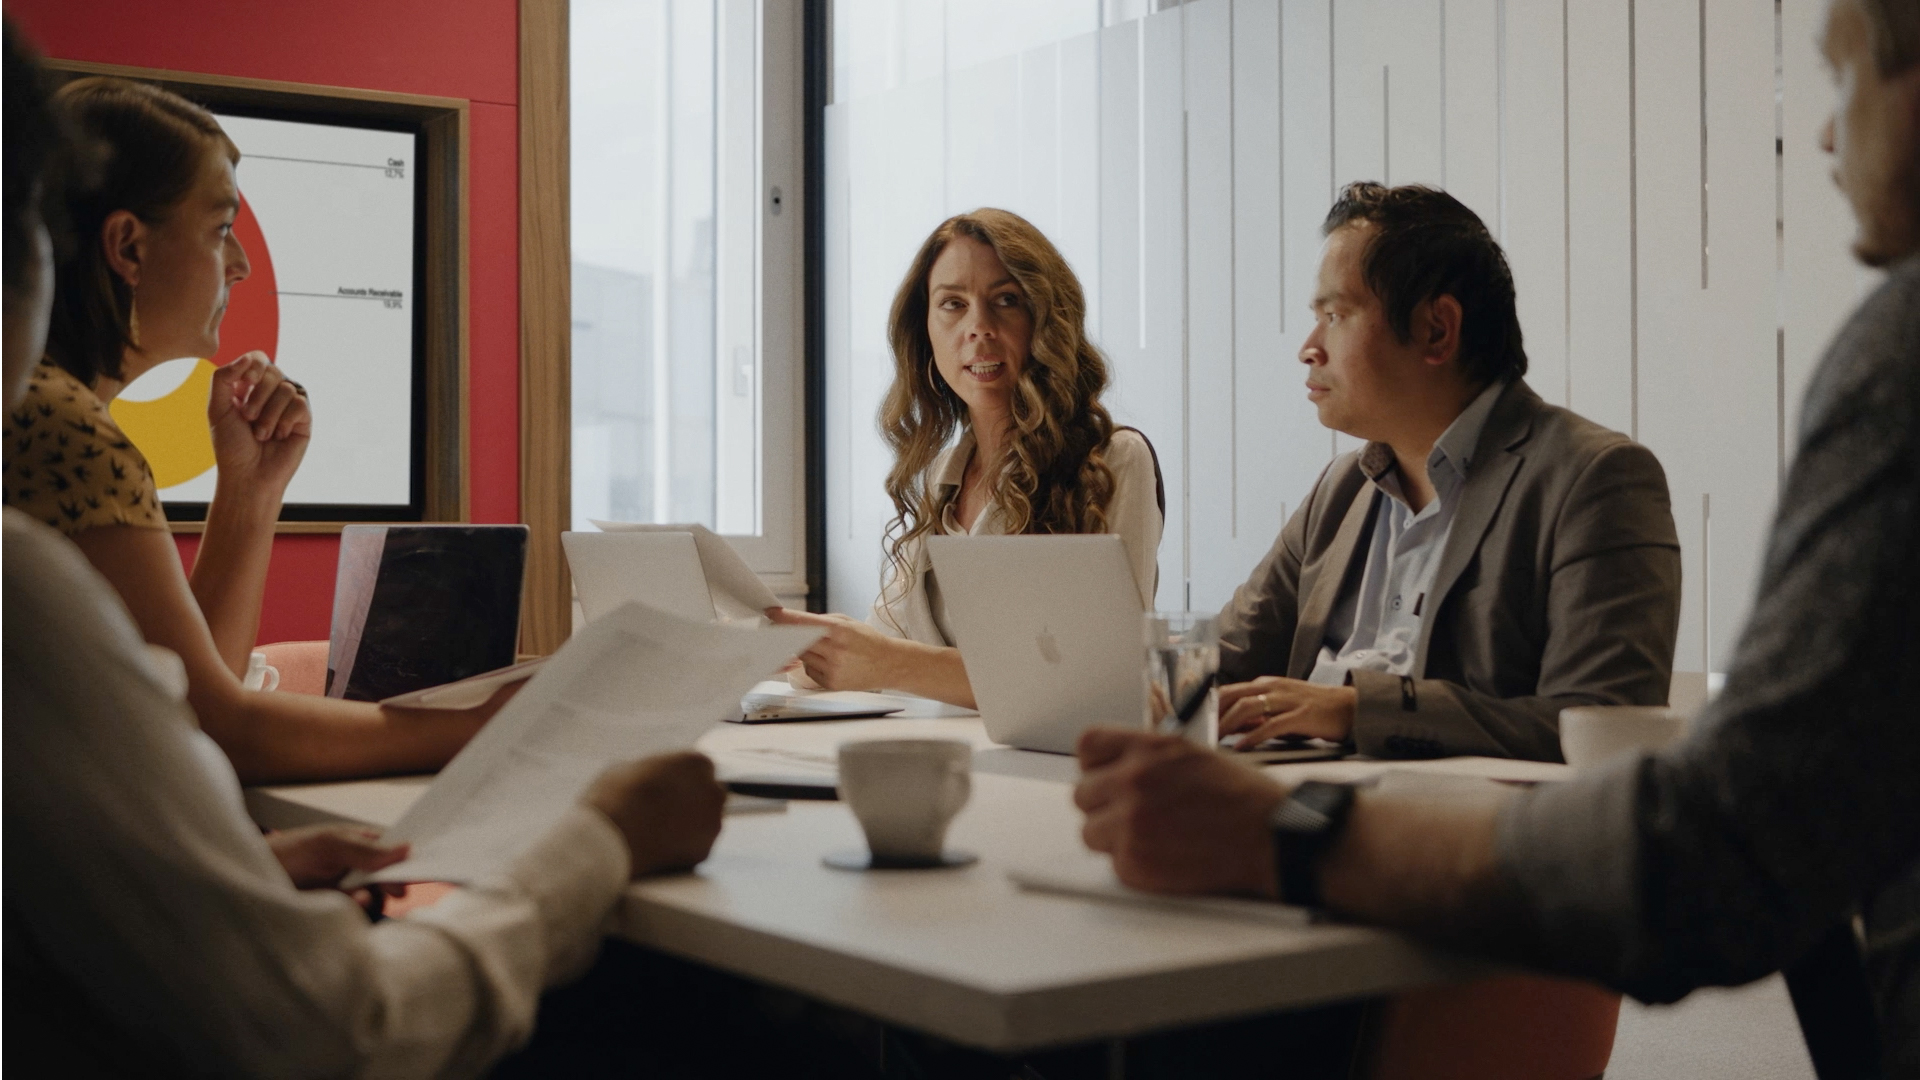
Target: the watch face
(1312, 808)
(1322, 797)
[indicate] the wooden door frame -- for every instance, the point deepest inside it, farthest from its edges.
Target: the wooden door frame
(546, 324)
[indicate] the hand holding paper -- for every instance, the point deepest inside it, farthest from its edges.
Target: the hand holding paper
(668, 808)
(635, 683)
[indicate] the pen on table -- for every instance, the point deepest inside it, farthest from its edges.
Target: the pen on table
(1175, 722)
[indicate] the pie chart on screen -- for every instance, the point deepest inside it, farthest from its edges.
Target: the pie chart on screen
(164, 412)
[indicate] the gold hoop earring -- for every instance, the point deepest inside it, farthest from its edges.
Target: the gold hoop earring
(933, 378)
(133, 322)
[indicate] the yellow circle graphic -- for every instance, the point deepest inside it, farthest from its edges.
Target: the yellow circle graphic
(171, 430)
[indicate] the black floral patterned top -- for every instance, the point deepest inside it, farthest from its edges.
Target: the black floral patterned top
(68, 464)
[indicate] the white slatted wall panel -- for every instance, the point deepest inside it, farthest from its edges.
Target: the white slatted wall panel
(1525, 188)
(1672, 376)
(1212, 363)
(1737, 440)
(1183, 161)
(1151, 393)
(1599, 182)
(1308, 142)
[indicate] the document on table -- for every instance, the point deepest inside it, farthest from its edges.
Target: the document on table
(633, 683)
(738, 592)
(1089, 880)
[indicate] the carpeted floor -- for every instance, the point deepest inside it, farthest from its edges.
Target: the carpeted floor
(1747, 1033)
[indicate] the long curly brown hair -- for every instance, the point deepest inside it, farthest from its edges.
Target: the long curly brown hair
(1053, 475)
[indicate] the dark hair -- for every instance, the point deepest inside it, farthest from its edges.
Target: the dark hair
(1425, 245)
(1893, 29)
(155, 143)
(36, 139)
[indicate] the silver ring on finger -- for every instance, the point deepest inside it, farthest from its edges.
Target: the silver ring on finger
(1266, 705)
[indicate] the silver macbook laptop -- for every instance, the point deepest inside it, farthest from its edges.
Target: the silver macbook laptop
(1049, 627)
(663, 570)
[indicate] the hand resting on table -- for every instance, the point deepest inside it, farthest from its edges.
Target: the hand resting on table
(1175, 817)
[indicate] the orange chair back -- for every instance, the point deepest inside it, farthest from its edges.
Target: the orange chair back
(1508, 1027)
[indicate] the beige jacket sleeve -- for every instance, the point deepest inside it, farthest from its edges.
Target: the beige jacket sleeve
(140, 879)
(1134, 512)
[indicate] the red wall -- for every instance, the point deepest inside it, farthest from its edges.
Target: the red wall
(452, 48)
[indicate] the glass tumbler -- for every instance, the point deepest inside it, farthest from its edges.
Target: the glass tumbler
(1182, 666)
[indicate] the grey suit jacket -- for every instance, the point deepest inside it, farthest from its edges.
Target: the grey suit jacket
(1559, 585)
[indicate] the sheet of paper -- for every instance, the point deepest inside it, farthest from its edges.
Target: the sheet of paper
(738, 592)
(1095, 881)
(1353, 771)
(467, 693)
(634, 683)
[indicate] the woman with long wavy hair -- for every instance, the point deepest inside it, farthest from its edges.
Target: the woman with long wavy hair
(996, 426)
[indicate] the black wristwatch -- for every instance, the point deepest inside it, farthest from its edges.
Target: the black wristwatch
(1303, 827)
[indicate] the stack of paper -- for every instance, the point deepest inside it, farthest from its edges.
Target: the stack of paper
(1094, 880)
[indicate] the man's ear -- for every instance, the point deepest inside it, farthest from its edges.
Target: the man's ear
(1440, 335)
(123, 238)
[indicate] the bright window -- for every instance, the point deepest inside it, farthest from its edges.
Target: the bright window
(685, 359)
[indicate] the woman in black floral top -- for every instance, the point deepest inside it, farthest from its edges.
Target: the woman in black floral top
(69, 465)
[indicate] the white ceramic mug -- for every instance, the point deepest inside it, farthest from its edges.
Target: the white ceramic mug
(1590, 734)
(905, 793)
(260, 674)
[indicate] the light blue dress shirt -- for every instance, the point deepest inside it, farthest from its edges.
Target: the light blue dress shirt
(1377, 628)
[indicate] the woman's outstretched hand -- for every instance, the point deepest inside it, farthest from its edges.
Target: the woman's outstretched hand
(850, 656)
(261, 422)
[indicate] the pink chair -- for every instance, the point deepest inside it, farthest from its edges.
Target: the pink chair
(302, 665)
(420, 894)
(1507, 1027)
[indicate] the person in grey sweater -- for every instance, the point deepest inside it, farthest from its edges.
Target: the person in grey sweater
(1792, 806)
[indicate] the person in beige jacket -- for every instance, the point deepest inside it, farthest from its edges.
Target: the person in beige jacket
(1486, 559)
(996, 425)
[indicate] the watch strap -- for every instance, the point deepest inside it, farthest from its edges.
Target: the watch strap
(1304, 826)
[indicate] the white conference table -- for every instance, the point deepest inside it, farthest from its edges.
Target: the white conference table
(965, 954)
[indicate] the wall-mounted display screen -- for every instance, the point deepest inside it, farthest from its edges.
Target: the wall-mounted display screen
(329, 219)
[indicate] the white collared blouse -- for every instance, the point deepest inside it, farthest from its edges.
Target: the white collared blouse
(911, 606)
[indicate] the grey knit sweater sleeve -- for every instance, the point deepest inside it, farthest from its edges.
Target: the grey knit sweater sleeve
(1795, 802)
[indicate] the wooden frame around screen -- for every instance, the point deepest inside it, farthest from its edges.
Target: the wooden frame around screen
(546, 324)
(444, 180)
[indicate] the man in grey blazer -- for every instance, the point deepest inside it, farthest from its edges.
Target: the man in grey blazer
(1487, 559)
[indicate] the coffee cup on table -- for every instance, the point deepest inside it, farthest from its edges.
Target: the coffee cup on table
(1590, 734)
(260, 674)
(905, 792)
